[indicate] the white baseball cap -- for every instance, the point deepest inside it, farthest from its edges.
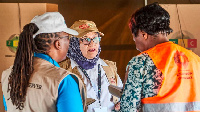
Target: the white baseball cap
(51, 22)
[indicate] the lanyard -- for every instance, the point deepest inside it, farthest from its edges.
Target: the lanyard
(99, 80)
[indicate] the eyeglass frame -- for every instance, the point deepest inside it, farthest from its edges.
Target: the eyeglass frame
(64, 37)
(91, 39)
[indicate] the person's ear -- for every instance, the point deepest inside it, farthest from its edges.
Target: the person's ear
(57, 44)
(145, 35)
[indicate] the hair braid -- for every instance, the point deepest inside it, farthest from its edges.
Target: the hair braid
(44, 40)
(23, 66)
(18, 80)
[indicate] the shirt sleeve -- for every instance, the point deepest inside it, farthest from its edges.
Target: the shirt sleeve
(69, 98)
(143, 80)
(131, 96)
(4, 103)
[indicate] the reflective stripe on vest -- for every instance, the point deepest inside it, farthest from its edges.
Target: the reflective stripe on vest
(180, 86)
(172, 107)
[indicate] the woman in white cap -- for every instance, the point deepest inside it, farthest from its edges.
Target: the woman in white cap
(36, 82)
(96, 73)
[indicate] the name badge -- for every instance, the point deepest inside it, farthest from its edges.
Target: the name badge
(101, 109)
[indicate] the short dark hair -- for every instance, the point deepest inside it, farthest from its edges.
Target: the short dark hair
(151, 19)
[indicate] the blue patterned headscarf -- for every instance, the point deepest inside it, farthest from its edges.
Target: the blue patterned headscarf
(75, 54)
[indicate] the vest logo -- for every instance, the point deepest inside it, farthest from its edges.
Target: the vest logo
(112, 80)
(12, 43)
(36, 86)
(182, 62)
(181, 59)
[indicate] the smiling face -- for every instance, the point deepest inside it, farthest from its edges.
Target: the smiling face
(91, 50)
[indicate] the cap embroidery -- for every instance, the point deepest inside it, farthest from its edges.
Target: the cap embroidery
(85, 26)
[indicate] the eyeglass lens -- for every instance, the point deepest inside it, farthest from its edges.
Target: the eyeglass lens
(87, 41)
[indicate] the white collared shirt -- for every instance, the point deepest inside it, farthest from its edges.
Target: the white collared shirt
(92, 90)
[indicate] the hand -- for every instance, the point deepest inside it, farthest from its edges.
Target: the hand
(117, 106)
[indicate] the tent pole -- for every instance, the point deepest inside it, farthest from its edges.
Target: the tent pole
(145, 2)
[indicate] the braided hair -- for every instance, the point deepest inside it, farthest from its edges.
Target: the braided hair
(22, 69)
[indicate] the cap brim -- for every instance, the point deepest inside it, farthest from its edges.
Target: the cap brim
(71, 31)
(84, 33)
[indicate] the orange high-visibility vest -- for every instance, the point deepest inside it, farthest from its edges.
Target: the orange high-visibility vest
(180, 90)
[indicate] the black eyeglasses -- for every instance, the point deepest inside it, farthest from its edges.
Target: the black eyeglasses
(87, 41)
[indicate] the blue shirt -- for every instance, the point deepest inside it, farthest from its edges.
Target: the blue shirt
(69, 99)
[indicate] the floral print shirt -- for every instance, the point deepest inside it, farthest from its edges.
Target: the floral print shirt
(144, 80)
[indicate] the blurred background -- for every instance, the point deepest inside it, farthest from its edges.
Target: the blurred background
(111, 18)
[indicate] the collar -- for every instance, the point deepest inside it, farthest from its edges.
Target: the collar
(47, 58)
(99, 61)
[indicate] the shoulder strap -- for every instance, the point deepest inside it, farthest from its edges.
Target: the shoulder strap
(111, 73)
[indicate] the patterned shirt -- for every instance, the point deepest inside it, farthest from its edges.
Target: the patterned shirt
(144, 80)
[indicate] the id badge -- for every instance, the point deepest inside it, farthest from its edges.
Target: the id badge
(101, 109)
